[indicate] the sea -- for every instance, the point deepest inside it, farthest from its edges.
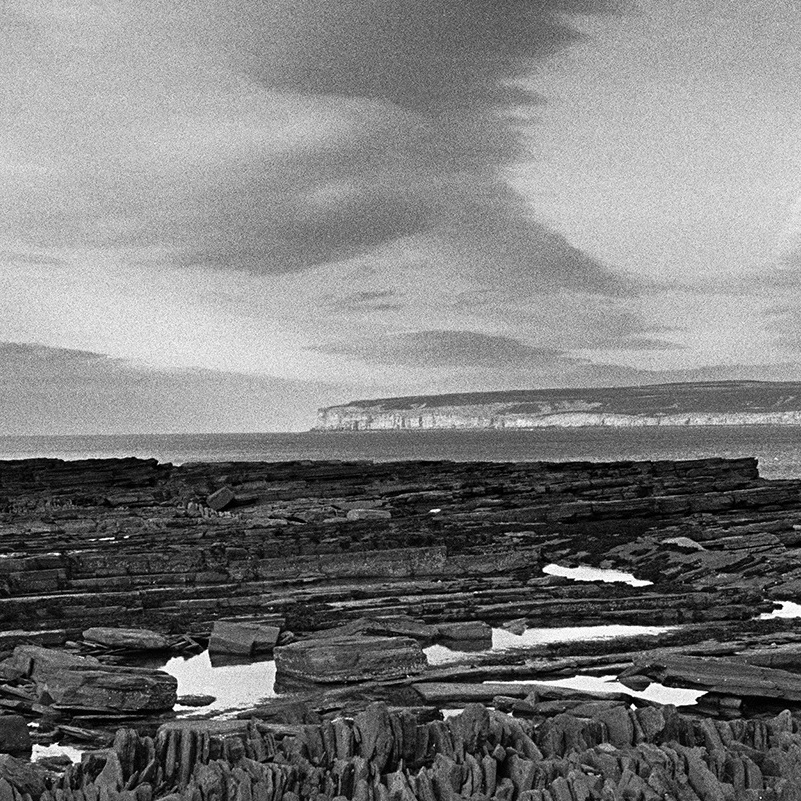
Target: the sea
(778, 448)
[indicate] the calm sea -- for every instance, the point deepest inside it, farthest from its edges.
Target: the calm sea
(778, 448)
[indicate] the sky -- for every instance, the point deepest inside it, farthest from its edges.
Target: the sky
(219, 215)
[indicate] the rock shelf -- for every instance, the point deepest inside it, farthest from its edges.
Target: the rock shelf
(348, 570)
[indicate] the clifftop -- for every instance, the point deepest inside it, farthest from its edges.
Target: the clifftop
(701, 403)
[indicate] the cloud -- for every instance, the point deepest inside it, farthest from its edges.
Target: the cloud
(436, 349)
(375, 300)
(64, 391)
(273, 137)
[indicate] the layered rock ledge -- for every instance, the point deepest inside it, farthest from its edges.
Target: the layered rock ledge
(347, 570)
(135, 543)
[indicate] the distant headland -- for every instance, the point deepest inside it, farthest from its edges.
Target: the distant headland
(684, 404)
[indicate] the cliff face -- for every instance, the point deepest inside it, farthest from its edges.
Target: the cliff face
(700, 404)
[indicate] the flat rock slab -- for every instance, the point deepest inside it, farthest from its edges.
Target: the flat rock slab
(82, 683)
(381, 626)
(721, 676)
(463, 632)
(368, 514)
(333, 661)
(196, 700)
(129, 639)
(242, 638)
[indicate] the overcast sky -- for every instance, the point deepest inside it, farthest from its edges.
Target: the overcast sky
(218, 215)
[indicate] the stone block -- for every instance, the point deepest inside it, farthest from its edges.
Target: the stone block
(220, 499)
(242, 638)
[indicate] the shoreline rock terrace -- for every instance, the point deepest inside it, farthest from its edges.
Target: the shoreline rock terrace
(347, 571)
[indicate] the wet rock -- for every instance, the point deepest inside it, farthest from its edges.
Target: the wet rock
(242, 638)
(196, 700)
(128, 639)
(517, 626)
(57, 763)
(350, 659)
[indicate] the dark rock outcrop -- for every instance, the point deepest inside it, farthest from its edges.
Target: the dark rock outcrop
(593, 752)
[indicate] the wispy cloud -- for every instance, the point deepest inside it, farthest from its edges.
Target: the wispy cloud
(274, 137)
(435, 349)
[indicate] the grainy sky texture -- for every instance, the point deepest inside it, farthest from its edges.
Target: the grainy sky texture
(220, 214)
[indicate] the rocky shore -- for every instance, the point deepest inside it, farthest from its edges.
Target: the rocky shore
(395, 605)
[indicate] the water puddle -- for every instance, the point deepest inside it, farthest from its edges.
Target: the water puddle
(587, 573)
(503, 640)
(679, 696)
(234, 684)
(56, 750)
(786, 609)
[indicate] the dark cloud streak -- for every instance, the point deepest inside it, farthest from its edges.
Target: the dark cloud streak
(148, 140)
(446, 73)
(441, 348)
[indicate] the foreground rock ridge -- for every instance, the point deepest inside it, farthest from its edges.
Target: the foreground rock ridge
(685, 404)
(346, 573)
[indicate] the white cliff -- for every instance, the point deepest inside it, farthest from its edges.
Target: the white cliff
(713, 404)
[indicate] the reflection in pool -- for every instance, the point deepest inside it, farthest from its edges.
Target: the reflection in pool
(679, 696)
(503, 640)
(235, 685)
(786, 609)
(587, 573)
(54, 750)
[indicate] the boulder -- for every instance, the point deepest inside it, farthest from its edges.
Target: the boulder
(242, 638)
(196, 700)
(82, 683)
(220, 499)
(350, 659)
(129, 639)
(15, 739)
